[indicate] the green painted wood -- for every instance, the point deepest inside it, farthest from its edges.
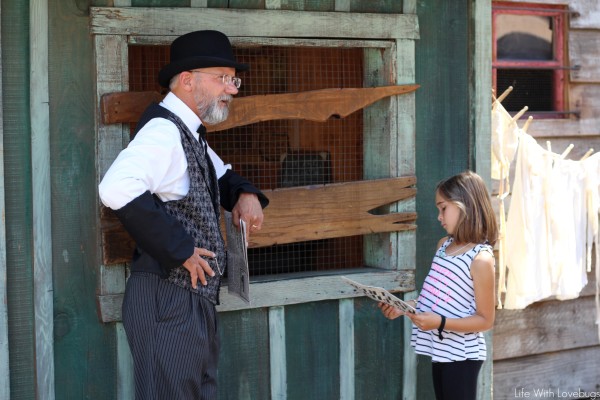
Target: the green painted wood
(347, 344)
(376, 6)
(160, 3)
(378, 353)
(301, 5)
(481, 104)
(247, 4)
(85, 349)
(312, 349)
(244, 359)
(17, 179)
(217, 3)
(443, 125)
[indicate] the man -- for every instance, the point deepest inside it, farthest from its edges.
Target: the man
(166, 188)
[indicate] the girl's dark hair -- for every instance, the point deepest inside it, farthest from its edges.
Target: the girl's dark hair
(477, 222)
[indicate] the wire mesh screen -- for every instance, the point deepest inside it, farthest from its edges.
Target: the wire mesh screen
(532, 88)
(286, 153)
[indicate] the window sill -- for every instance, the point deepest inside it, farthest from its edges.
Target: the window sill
(304, 288)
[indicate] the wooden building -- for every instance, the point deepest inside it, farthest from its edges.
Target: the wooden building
(306, 334)
(551, 347)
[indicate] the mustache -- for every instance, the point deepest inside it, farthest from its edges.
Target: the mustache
(227, 98)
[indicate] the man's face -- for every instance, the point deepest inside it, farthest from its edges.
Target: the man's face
(211, 95)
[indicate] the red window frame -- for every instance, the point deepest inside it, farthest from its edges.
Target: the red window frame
(558, 13)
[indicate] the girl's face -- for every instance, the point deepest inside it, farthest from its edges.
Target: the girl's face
(448, 213)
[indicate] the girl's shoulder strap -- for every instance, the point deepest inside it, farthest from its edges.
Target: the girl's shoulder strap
(484, 247)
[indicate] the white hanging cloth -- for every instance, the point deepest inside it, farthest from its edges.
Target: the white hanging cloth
(591, 166)
(529, 275)
(505, 140)
(552, 224)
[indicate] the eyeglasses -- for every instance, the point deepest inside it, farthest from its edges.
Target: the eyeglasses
(226, 79)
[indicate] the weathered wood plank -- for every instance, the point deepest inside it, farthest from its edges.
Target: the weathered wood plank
(301, 214)
(380, 136)
(111, 75)
(347, 344)
(545, 327)
(302, 290)
(584, 14)
(315, 105)
(126, 107)
(275, 23)
(285, 292)
(42, 222)
(559, 373)
(109, 307)
(336, 210)
(480, 120)
(584, 47)
(277, 353)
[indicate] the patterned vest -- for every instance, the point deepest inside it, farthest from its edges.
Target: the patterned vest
(198, 212)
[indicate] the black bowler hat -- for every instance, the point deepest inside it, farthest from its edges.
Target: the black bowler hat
(200, 49)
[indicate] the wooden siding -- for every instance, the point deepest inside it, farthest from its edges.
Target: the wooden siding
(317, 311)
(553, 344)
(81, 343)
(42, 213)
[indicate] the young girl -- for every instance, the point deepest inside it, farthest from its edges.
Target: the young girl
(457, 301)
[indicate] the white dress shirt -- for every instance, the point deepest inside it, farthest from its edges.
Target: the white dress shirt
(155, 161)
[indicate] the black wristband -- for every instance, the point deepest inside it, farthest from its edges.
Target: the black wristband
(441, 328)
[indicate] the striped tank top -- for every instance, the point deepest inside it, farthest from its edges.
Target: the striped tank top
(448, 290)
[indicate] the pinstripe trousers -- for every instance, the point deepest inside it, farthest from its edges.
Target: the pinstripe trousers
(172, 334)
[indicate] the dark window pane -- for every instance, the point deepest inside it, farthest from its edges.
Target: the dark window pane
(532, 88)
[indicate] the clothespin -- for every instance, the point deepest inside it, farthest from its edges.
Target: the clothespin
(567, 150)
(548, 145)
(587, 154)
(503, 95)
(527, 123)
(520, 113)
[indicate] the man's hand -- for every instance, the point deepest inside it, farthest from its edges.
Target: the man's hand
(248, 208)
(198, 266)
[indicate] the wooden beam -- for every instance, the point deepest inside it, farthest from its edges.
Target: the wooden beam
(565, 371)
(301, 214)
(314, 105)
(252, 23)
(336, 210)
(126, 107)
(545, 327)
(284, 292)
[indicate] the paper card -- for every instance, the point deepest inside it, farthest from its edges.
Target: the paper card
(238, 274)
(380, 295)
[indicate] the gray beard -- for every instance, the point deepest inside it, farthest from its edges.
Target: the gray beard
(211, 113)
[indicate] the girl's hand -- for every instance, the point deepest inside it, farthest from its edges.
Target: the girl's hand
(390, 312)
(426, 321)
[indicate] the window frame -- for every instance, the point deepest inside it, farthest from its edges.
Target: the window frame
(389, 46)
(559, 64)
